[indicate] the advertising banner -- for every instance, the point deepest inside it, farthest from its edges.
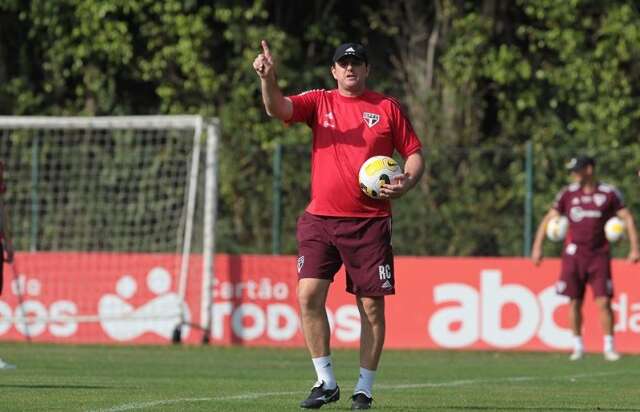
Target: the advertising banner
(452, 303)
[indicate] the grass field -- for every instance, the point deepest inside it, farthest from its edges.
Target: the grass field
(168, 378)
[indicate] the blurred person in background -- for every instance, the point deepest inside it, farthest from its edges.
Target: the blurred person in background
(586, 258)
(6, 246)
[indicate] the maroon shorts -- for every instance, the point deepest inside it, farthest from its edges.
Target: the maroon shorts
(582, 268)
(362, 244)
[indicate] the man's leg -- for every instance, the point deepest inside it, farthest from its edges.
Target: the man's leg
(575, 321)
(372, 333)
(575, 316)
(606, 314)
(606, 320)
(312, 297)
(602, 286)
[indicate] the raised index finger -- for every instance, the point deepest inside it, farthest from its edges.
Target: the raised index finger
(265, 49)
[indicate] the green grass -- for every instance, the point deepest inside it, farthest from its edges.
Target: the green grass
(168, 378)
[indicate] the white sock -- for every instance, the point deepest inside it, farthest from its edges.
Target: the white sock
(608, 343)
(365, 382)
(324, 370)
(578, 346)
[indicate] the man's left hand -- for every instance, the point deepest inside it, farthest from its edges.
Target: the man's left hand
(634, 256)
(398, 187)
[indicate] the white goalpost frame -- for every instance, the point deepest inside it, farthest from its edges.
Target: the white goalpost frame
(160, 122)
(191, 206)
(210, 213)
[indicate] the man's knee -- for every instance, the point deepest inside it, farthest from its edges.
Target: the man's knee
(372, 309)
(575, 304)
(603, 302)
(309, 301)
(312, 295)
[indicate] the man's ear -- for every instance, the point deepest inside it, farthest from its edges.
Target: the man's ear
(333, 71)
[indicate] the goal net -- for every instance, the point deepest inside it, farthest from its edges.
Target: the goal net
(112, 221)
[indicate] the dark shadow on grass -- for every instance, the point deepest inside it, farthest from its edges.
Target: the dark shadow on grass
(27, 386)
(505, 408)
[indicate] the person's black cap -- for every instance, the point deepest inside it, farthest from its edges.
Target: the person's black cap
(580, 162)
(350, 49)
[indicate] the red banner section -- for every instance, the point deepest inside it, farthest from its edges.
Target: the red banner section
(461, 303)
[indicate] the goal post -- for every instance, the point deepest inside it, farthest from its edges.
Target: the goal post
(108, 210)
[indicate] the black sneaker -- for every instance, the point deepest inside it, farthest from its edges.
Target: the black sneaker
(360, 401)
(320, 396)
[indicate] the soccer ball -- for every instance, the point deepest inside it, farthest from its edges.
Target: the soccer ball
(614, 229)
(557, 228)
(375, 172)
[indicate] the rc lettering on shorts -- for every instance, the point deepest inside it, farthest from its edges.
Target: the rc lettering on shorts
(371, 119)
(300, 263)
(385, 274)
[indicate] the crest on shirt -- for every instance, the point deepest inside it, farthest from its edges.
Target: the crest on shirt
(371, 119)
(599, 199)
(329, 120)
(575, 201)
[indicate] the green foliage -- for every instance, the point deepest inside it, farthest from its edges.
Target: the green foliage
(562, 74)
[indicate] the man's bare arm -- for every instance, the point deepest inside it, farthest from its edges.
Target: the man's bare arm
(536, 250)
(275, 103)
(634, 251)
(413, 169)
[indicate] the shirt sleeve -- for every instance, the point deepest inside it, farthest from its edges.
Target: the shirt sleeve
(304, 106)
(405, 140)
(617, 201)
(559, 202)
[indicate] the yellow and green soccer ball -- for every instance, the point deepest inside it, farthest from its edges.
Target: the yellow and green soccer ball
(614, 229)
(556, 228)
(375, 172)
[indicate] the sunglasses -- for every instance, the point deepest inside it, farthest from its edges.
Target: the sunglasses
(344, 63)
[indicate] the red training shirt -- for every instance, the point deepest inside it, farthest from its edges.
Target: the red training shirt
(346, 132)
(587, 214)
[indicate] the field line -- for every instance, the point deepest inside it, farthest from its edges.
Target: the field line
(256, 395)
(149, 404)
(463, 382)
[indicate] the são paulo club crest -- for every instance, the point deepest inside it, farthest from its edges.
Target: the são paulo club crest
(599, 199)
(371, 119)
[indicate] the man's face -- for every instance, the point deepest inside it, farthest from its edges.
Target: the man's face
(582, 175)
(350, 73)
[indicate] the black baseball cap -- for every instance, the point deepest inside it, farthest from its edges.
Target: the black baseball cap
(350, 49)
(579, 162)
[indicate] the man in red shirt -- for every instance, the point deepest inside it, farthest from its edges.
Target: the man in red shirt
(588, 204)
(6, 246)
(341, 225)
